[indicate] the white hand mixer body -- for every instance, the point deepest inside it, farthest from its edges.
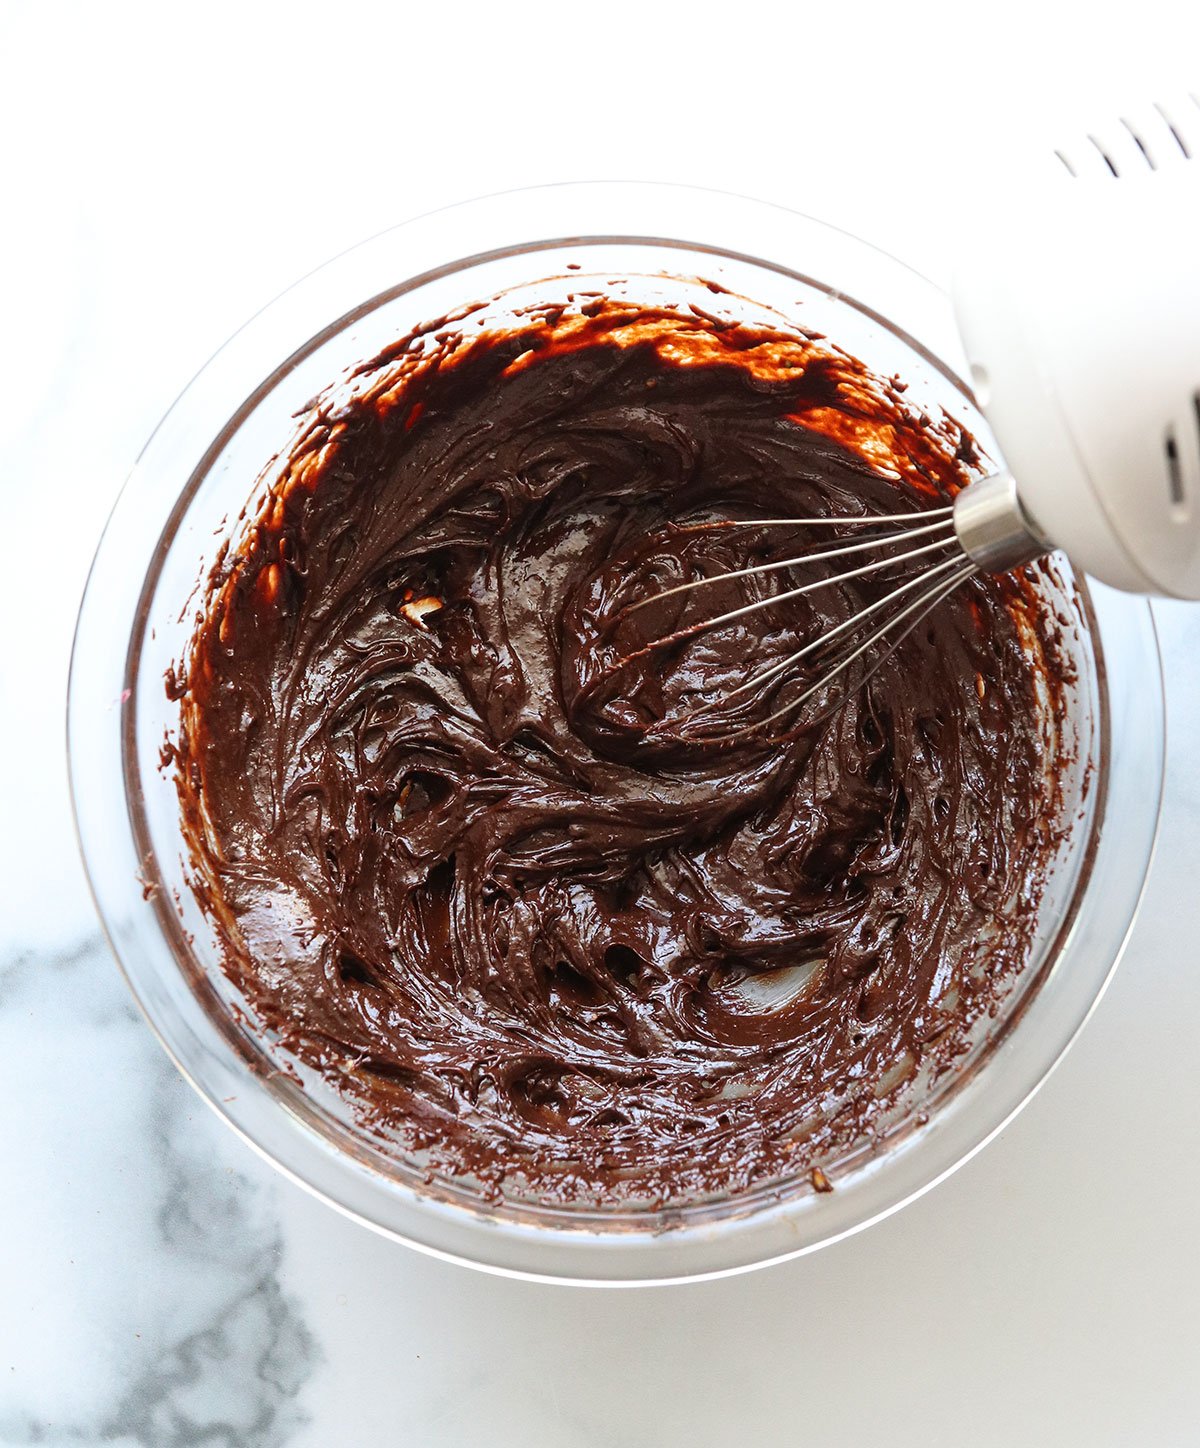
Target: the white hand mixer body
(1079, 308)
(1078, 305)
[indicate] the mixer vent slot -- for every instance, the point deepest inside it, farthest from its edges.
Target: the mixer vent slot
(1108, 160)
(1196, 416)
(1141, 145)
(1174, 470)
(1174, 130)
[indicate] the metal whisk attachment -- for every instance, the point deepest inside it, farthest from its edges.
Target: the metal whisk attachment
(985, 529)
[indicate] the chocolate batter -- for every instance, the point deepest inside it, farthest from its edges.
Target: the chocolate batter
(462, 852)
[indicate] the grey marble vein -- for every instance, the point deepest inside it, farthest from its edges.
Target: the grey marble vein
(179, 1330)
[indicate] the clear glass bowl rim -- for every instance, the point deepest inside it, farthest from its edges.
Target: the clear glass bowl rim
(581, 1253)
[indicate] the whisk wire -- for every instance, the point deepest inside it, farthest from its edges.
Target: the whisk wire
(748, 608)
(944, 526)
(765, 675)
(920, 606)
(864, 520)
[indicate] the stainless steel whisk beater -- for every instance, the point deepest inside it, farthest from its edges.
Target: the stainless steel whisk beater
(1077, 307)
(985, 529)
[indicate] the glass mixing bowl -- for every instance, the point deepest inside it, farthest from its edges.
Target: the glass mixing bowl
(186, 495)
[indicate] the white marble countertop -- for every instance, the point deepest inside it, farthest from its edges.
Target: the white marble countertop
(159, 1285)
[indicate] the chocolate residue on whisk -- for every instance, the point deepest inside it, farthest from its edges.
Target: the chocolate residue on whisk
(455, 852)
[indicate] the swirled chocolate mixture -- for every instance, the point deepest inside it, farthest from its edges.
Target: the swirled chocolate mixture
(462, 848)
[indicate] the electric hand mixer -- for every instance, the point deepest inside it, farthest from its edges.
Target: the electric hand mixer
(1079, 308)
